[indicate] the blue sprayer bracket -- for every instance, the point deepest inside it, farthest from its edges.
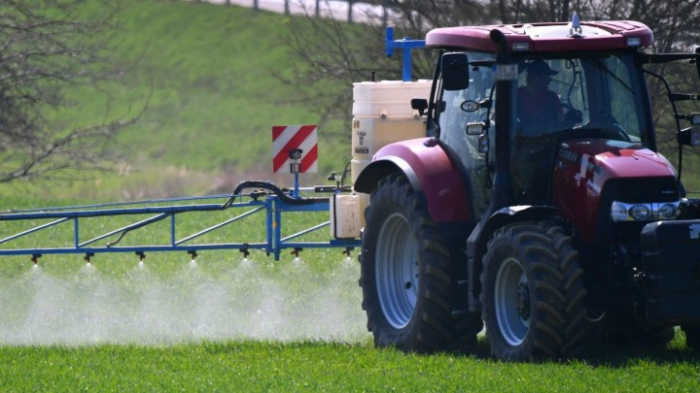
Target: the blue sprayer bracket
(405, 44)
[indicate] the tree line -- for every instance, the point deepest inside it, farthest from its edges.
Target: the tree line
(336, 56)
(48, 47)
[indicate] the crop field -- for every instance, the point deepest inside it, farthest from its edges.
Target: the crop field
(223, 321)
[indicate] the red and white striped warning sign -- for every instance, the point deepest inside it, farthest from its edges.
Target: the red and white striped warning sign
(286, 139)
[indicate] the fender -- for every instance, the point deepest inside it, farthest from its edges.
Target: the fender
(476, 245)
(511, 214)
(477, 242)
(429, 171)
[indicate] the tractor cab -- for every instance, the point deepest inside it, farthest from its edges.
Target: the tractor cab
(557, 83)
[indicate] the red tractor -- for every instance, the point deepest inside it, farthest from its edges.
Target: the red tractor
(538, 204)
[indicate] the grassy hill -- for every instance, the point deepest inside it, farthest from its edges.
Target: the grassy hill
(213, 78)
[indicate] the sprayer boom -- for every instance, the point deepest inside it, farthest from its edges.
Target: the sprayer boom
(235, 207)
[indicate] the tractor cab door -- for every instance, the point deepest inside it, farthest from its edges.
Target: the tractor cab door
(455, 111)
(550, 98)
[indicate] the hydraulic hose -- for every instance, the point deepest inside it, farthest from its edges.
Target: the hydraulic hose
(266, 185)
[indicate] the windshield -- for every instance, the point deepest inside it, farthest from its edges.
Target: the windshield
(599, 94)
(593, 97)
(596, 96)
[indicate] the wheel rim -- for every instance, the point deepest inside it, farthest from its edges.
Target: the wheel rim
(512, 302)
(397, 270)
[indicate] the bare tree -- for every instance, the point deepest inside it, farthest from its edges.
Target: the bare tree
(672, 21)
(674, 27)
(338, 55)
(529, 11)
(47, 47)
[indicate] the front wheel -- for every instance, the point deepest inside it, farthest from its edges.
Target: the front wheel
(407, 278)
(532, 293)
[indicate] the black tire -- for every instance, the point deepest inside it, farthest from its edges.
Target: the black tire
(532, 293)
(407, 280)
(692, 336)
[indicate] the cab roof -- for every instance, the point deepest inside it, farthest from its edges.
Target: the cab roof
(545, 37)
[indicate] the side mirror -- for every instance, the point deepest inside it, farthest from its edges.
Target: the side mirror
(689, 136)
(470, 106)
(476, 128)
(455, 71)
(419, 104)
(683, 97)
(484, 143)
(695, 119)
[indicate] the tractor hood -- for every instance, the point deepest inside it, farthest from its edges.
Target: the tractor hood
(598, 160)
(583, 167)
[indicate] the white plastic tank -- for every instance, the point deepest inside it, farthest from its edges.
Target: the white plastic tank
(345, 216)
(382, 114)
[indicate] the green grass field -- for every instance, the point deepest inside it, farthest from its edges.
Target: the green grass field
(215, 80)
(224, 323)
(316, 366)
(319, 366)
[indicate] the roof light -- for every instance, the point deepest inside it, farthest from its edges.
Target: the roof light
(634, 41)
(575, 29)
(521, 46)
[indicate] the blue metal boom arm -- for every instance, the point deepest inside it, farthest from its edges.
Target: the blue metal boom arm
(273, 201)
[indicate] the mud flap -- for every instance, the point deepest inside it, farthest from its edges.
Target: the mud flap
(671, 266)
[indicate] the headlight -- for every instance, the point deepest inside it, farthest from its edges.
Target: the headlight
(640, 212)
(620, 211)
(668, 211)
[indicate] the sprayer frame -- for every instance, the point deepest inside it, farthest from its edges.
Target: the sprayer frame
(274, 204)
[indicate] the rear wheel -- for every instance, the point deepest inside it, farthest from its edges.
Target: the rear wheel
(532, 293)
(407, 279)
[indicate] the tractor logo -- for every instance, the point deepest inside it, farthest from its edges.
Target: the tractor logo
(694, 231)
